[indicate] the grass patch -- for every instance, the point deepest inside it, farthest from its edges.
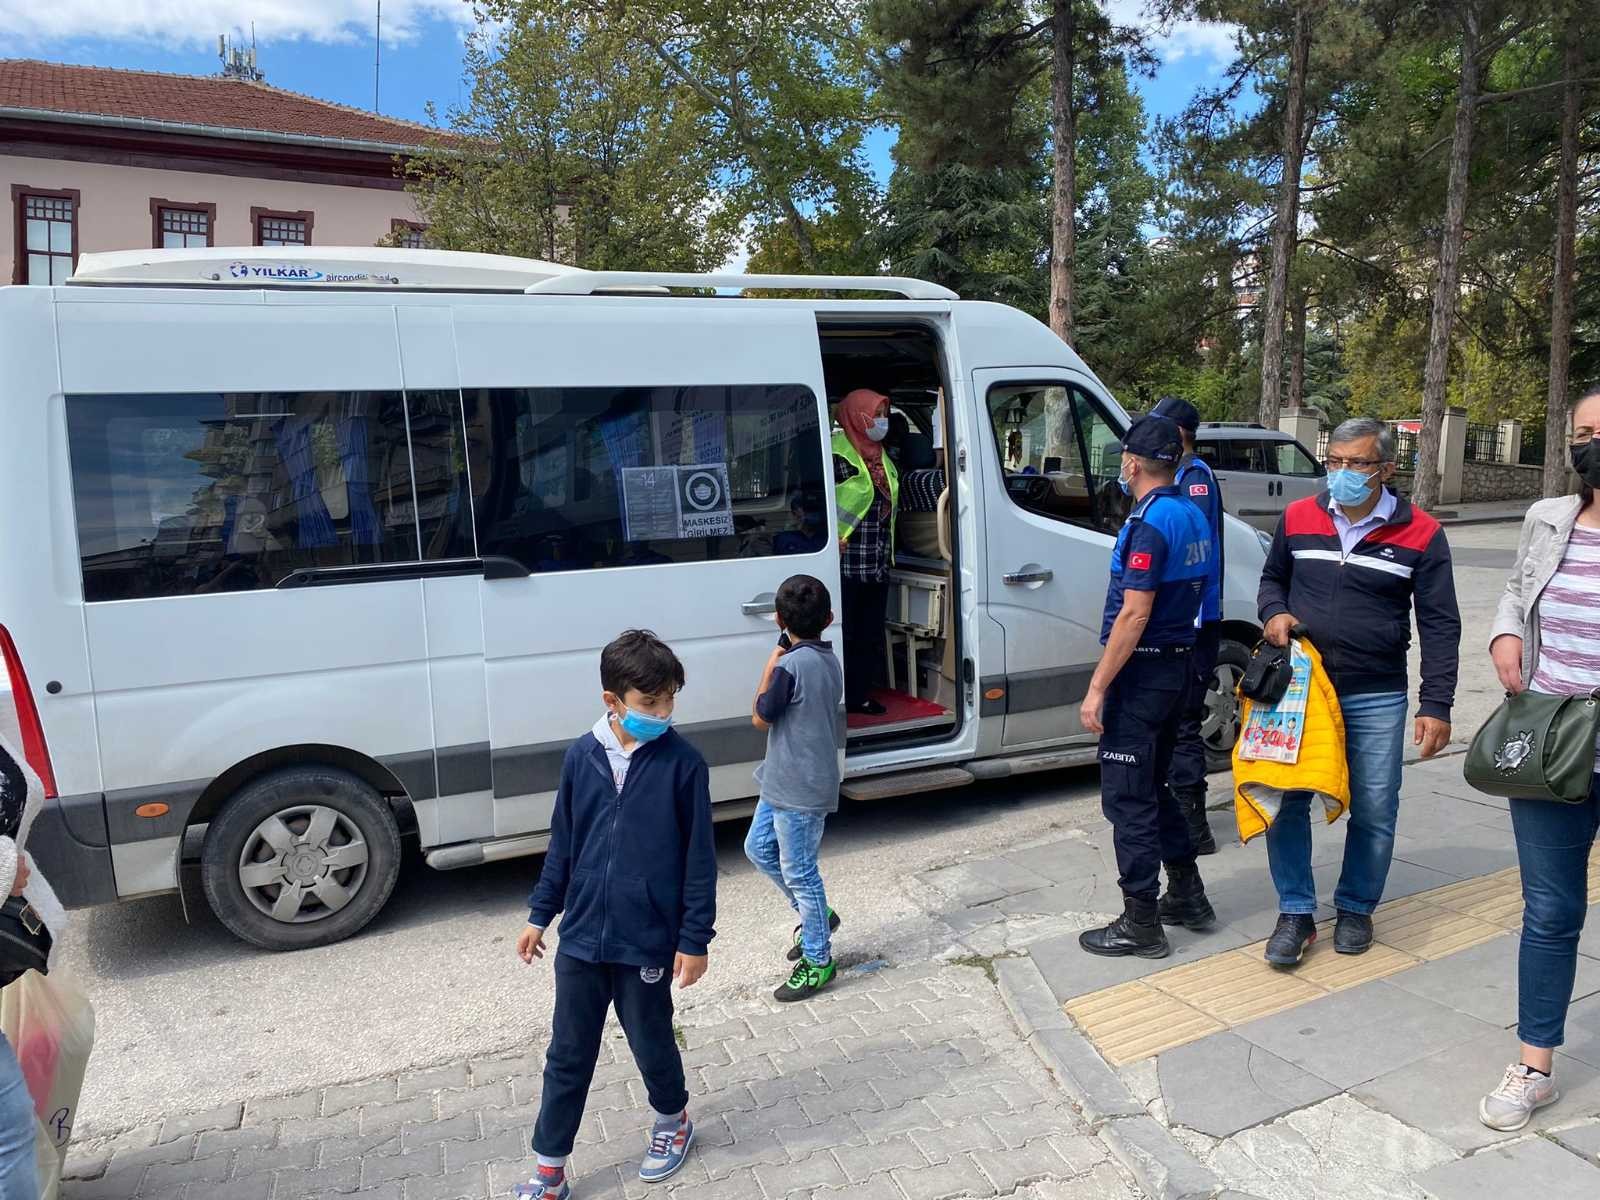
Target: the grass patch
(677, 1036)
(984, 962)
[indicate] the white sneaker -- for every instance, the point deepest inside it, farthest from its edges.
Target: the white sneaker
(1520, 1094)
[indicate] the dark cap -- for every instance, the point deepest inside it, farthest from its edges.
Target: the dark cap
(1154, 437)
(1179, 411)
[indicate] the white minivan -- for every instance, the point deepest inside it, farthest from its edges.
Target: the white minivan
(308, 550)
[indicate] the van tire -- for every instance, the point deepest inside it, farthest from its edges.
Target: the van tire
(326, 851)
(1222, 701)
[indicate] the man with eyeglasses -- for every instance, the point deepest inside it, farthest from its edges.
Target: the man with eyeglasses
(1351, 564)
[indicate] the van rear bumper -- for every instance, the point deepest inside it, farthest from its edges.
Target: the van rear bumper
(70, 845)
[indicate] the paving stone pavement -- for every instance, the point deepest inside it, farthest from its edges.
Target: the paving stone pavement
(908, 1083)
(1370, 1091)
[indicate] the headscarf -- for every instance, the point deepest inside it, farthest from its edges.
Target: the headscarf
(857, 411)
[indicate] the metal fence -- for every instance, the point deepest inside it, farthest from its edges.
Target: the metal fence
(1485, 443)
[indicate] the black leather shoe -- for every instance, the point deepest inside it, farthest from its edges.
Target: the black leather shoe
(1185, 902)
(1353, 933)
(1194, 813)
(868, 708)
(1295, 934)
(1137, 931)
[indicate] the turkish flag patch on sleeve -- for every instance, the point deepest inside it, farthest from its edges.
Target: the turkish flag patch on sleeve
(1139, 562)
(1199, 489)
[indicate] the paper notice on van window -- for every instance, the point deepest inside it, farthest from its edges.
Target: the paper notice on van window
(1274, 734)
(663, 503)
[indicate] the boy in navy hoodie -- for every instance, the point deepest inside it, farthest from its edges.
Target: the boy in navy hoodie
(633, 867)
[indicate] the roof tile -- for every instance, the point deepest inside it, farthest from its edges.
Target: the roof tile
(197, 100)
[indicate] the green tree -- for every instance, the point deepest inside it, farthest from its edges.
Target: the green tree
(966, 200)
(577, 147)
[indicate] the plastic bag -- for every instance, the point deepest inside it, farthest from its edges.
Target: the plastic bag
(50, 1024)
(48, 1160)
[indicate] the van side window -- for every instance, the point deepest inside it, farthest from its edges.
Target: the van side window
(1058, 455)
(1292, 460)
(224, 492)
(573, 479)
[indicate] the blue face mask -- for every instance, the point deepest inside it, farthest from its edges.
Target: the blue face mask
(1348, 486)
(1125, 485)
(642, 727)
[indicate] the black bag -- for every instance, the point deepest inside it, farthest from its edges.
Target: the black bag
(24, 941)
(1269, 672)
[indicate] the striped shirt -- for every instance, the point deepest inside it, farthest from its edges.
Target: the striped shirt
(1569, 621)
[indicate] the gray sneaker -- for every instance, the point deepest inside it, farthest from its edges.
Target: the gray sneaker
(1520, 1094)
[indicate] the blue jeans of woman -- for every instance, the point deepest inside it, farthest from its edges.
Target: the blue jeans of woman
(19, 1176)
(1374, 733)
(783, 846)
(1553, 843)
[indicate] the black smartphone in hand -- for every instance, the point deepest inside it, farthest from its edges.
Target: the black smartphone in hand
(783, 641)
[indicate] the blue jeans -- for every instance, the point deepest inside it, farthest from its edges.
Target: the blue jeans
(783, 846)
(1374, 735)
(1553, 842)
(19, 1172)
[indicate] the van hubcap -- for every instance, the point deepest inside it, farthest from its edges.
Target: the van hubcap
(1219, 728)
(303, 864)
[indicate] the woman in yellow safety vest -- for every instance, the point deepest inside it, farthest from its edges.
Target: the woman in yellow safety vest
(868, 493)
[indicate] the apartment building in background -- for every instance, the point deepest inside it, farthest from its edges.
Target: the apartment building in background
(97, 158)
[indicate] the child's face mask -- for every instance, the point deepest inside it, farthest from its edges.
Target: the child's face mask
(642, 717)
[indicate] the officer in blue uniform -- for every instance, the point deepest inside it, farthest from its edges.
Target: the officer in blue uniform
(1199, 486)
(1136, 696)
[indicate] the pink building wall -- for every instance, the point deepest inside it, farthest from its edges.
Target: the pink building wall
(114, 205)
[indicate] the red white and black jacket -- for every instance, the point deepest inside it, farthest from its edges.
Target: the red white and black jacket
(1358, 606)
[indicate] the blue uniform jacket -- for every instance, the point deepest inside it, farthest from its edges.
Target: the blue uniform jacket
(1198, 482)
(634, 872)
(1165, 548)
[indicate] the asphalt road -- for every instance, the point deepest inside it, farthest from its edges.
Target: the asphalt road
(190, 1018)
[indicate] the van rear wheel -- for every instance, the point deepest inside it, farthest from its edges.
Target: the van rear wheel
(1219, 728)
(301, 857)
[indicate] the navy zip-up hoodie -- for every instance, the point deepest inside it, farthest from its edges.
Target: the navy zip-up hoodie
(1358, 606)
(634, 872)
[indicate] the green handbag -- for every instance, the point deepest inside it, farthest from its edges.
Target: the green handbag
(1537, 747)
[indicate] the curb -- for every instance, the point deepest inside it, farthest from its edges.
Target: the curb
(1503, 519)
(1160, 1165)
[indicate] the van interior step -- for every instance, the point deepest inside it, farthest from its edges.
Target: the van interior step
(905, 783)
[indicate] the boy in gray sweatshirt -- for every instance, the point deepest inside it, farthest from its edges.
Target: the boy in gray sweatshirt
(798, 704)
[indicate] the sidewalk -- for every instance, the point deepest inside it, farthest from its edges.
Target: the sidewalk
(898, 1084)
(1487, 512)
(1349, 1076)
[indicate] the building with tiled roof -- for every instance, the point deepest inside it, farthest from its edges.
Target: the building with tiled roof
(95, 158)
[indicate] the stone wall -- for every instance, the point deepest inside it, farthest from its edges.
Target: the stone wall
(1500, 481)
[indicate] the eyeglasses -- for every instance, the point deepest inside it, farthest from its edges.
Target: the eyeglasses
(1354, 464)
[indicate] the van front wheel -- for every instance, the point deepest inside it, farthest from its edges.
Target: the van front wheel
(1219, 728)
(301, 857)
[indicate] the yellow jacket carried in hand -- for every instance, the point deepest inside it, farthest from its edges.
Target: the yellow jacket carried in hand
(1319, 767)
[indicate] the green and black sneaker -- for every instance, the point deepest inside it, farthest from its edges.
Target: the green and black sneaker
(806, 981)
(794, 948)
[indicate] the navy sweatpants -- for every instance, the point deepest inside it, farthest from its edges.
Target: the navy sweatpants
(584, 991)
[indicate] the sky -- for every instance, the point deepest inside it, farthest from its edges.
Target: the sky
(325, 48)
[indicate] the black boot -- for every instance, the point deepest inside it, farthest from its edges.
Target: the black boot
(1194, 812)
(1185, 902)
(1137, 931)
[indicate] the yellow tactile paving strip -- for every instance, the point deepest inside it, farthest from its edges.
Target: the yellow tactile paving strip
(1171, 1008)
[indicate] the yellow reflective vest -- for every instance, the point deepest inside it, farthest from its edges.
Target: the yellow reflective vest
(1322, 769)
(855, 495)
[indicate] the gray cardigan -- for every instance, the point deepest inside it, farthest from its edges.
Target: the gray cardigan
(1545, 532)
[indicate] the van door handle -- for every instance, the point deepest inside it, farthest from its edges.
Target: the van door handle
(1042, 575)
(763, 605)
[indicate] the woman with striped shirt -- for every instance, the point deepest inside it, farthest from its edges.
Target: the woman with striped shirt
(1547, 639)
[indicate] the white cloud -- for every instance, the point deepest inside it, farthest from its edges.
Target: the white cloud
(1211, 40)
(190, 24)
